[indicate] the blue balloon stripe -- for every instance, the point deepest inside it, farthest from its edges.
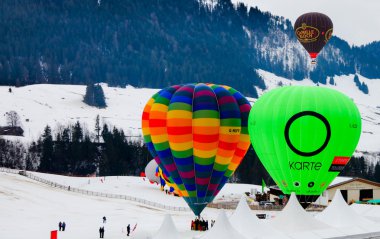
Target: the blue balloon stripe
(182, 99)
(230, 114)
(184, 161)
(203, 168)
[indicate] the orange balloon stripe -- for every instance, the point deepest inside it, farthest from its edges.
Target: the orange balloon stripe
(180, 130)
(184, 138)
(205, 146)
(206, 130)
(179, 122)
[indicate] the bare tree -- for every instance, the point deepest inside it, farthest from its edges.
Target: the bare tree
(13, 119)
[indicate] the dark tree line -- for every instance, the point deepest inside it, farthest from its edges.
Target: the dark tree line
(72, 150)
(157, 43)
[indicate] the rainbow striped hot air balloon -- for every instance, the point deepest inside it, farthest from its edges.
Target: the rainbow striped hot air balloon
(198, 135)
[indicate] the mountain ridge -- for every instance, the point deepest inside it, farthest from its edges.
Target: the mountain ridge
(159, 43)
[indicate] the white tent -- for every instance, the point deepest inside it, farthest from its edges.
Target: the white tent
(167, 230)
(293, 219)
(247, 223)
(339, 214)
(222, 229)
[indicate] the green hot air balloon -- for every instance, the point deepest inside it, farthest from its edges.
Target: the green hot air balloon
(304, 136)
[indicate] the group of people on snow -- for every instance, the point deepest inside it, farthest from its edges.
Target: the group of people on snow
(101, 229)
(62, 226)
(199, 224)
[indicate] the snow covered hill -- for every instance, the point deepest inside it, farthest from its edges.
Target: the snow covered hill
(59, 105)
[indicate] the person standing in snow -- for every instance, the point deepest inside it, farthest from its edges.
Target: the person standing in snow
(60, 226)
(104, 219)
(101, 232)
(128, 229)
(63, 226)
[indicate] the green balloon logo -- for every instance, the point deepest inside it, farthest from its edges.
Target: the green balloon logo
(304, 136)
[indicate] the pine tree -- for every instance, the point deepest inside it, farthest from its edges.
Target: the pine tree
(364, 88)
(77, 134)
(97, 128)
(331, 81)
(89, 97)
(100, 100)
(376, 175)
(47, 150)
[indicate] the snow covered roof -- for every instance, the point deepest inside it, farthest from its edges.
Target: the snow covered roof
(349, 180)
(247, 223)
(222, 229)
(167, 230)
(339, 214)
(293, 218)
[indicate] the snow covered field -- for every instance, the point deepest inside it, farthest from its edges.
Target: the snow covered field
(57, 105)
(29, 209)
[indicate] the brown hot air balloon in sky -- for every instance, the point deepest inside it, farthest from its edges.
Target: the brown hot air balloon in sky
(313, 31)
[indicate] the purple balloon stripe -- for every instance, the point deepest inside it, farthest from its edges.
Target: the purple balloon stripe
(204, 93)
(187, 175)
(245, 108)
(171, 167)
(187, 88)
(226, 99)
(213, 187)
(202, 181)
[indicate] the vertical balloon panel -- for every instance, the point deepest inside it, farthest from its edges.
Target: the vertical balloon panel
(180, 135)
(244, 140)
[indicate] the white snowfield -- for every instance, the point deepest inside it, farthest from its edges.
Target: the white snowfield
(29, 209)
(60, 105)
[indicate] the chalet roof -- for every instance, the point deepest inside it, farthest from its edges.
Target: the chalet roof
(362, 180)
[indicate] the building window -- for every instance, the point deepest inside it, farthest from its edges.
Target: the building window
(366, 194)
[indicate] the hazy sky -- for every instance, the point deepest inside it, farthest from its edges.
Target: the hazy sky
(356, 21)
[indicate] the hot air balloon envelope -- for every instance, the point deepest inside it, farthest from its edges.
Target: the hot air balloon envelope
(198, 135)
(304, 136)
(313, 31)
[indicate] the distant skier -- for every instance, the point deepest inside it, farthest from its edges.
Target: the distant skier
(104, 219)
(128, 230)
(63, 226)
(60, 226)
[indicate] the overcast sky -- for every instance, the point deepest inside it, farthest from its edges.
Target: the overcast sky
(356, 21)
